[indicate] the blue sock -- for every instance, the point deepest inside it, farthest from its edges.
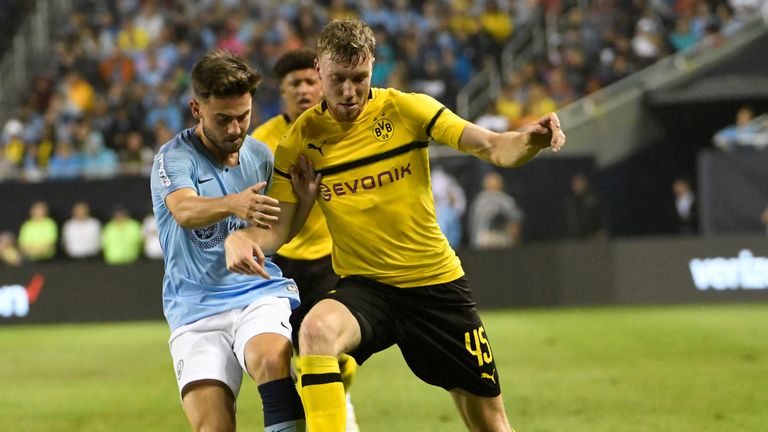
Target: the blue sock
(282, 406)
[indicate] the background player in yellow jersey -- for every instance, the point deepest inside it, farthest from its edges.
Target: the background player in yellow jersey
(401, 282)
(307, 257)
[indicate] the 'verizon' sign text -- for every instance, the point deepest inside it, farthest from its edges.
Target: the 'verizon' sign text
(745, 271)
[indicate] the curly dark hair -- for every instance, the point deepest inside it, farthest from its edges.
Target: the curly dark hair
(293, 60)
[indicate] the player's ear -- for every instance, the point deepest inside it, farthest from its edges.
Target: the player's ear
(317, 67)
(194, 106)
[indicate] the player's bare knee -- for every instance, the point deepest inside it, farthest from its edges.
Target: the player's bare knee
(212, 421)
(318, 336)
(265, 366)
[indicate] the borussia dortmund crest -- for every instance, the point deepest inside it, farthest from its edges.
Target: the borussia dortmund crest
(383, 129)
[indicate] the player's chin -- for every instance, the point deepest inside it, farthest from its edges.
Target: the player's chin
(233, 145)
(347, 112)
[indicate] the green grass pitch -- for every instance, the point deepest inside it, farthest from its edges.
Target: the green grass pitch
(673, 368)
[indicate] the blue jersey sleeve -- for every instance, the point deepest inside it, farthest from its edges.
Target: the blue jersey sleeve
(172, 170)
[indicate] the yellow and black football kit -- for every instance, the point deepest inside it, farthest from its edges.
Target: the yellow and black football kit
(387, 246)
(307, 257)
(375, 192)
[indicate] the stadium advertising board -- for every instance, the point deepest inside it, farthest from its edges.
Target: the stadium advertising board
(639, 271)
(73, 291)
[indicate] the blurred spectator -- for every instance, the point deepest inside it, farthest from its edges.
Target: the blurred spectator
(495, 219)
(31, 171)
(647, 43)
(450, 204)
(65, 164)
(39, 234)
(435, 80)
(493, 120)
(510, 101)
(583, 217)
(685, 205)
(496, 23)
(13, 143)
(9, 253)
(747, 131)
(118, 68)
(99, 161)
(81, 234)
(132, 39)
(385, 61)
(165, 111)
(683, 36)
(79, 94)
(121, 239)
(152, 248)
(136, 158)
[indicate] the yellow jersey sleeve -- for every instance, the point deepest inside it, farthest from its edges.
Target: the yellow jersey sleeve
(428, 118)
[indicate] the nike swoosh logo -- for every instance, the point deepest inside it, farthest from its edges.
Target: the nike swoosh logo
(201, 180)
(283, 324)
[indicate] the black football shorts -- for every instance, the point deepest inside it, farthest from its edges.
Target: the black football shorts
(436, 327)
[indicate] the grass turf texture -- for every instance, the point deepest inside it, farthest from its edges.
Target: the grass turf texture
(682, 368)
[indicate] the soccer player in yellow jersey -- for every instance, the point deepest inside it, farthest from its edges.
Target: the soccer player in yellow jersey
(401, 282)
(307, 257)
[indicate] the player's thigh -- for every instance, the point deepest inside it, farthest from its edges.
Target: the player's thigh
(209, 406)
(315, 278)
(329, 329)
(481, 413)
(202, 351)
(262, 340)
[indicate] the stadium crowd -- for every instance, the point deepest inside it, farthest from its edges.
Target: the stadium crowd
(117, 84)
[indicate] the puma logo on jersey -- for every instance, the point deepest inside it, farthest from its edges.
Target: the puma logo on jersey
(319, 148)
(490, 376)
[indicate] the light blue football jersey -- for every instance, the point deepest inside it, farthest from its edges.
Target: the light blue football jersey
(196, 283)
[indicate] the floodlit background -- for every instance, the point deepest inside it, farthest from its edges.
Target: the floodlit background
(623, 285)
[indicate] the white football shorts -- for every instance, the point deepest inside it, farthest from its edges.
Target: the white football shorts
(214, 347)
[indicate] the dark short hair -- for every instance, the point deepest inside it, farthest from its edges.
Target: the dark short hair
(293, 60)
(221, 73)
(348, 40)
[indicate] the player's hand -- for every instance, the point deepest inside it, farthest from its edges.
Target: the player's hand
(546, 132)
(306, 182)
(244, 255)
(254, 207)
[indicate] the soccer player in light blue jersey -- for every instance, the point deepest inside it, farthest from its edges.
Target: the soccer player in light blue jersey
(207, 182)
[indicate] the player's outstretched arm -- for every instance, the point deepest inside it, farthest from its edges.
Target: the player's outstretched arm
(245, 249)
(193, 211)
(514, 148)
